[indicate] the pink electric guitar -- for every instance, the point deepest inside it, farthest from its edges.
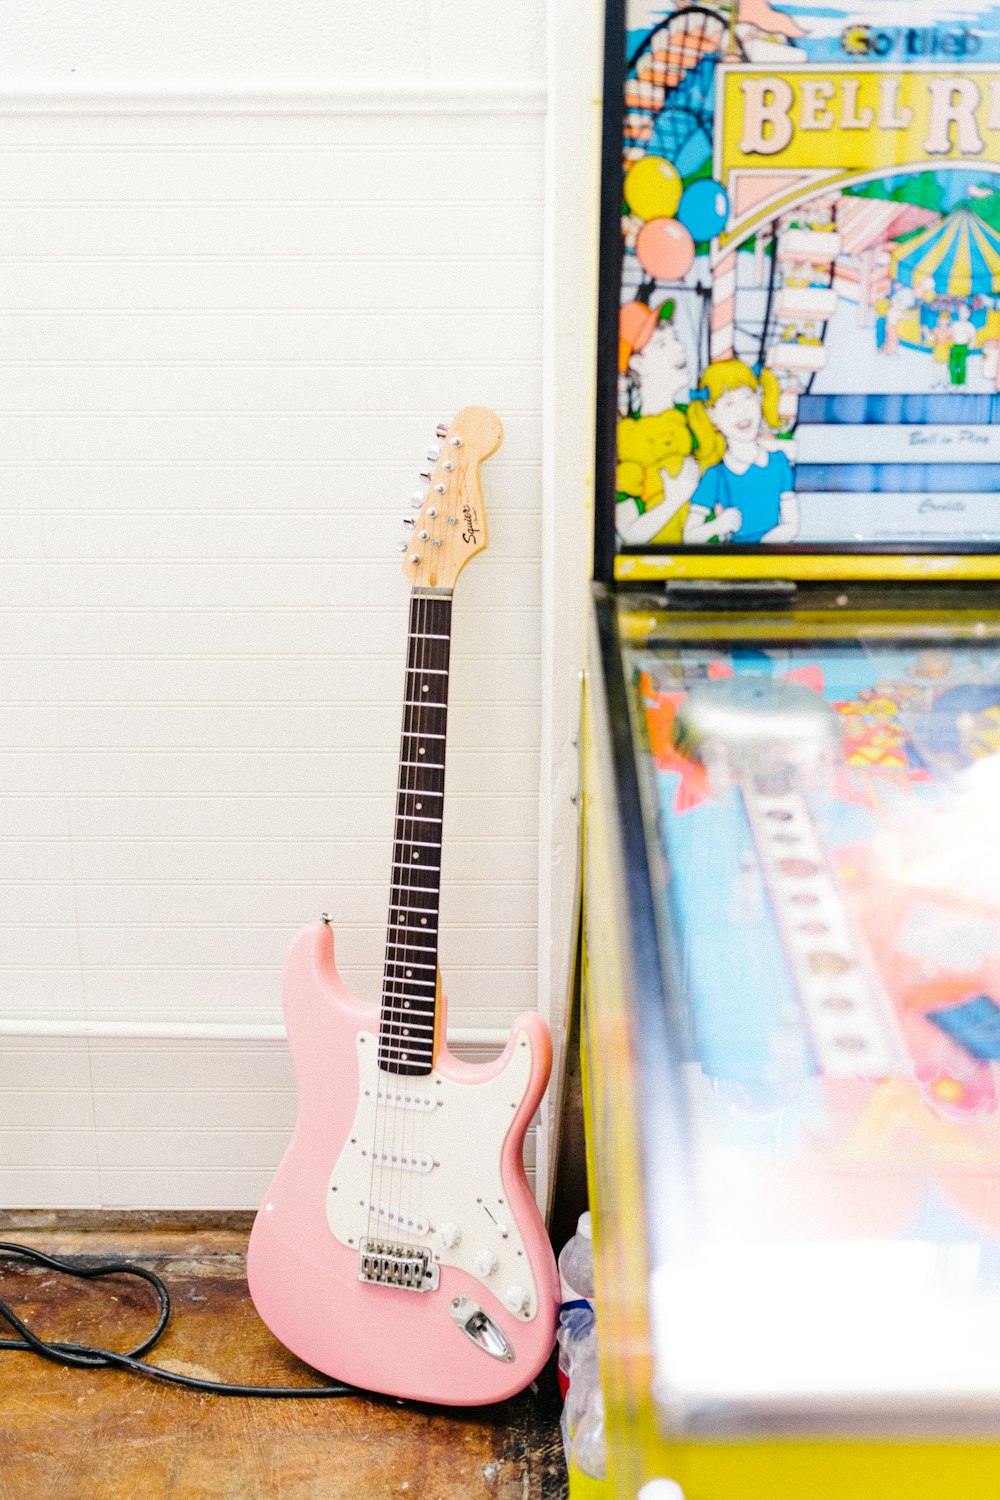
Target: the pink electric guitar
(399, 1247)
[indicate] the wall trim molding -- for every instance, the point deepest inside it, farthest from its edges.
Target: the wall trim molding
(266, 97)
(462, 1037)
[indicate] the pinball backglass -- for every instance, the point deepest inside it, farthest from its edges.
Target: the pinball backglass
(807, 280)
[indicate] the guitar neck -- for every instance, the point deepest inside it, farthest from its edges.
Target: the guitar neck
(409, 987)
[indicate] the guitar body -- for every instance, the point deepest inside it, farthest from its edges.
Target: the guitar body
(435, 1163)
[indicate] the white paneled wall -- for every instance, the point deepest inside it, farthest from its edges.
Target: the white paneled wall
(228, 323)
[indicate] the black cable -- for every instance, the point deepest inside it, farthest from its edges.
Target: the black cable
(91, 1357)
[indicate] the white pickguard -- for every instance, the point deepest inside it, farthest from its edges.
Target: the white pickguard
(460, 1129)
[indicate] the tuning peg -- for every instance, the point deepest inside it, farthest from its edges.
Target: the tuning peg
(417, 499)
(434, 452)
(441, 430)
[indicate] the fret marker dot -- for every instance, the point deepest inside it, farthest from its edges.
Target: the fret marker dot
(421, 750)
(409, 973)
(424, 689)
(419, 806)
(416, 856)
(423, 921)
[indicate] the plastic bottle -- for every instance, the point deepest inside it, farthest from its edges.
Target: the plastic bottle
(576, 1263)
(588, 1453)
(576, 1330)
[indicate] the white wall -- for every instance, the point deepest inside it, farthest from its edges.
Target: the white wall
(249, 255)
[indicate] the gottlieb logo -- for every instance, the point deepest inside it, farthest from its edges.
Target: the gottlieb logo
(909, 41)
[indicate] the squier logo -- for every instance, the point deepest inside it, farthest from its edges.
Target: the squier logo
(471, 532)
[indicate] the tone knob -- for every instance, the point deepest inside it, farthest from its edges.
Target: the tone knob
(515, 1298)
(449, 1235)
(485, 1263)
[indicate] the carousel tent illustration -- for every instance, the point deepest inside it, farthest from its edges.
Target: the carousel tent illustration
(960, 256)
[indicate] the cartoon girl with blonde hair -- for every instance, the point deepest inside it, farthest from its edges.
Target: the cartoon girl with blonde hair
(746, 490)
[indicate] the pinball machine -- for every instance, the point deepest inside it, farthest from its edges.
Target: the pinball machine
(791, 971)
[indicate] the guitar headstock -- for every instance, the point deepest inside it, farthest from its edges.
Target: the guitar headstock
(450, 527)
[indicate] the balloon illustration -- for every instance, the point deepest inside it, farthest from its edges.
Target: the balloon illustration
(704, 209)
(665, 249)
(652, 188)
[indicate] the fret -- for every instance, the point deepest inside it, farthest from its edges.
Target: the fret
(419, 818)
(431, 671)
(422, 765)
(410, 963)
(425, 635)
(416, 947)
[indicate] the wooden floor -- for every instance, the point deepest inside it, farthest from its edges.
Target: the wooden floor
(81, 1435)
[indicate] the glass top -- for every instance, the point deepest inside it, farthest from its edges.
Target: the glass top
(824, 834)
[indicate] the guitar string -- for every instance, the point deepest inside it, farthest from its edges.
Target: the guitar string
(396, 1181)
(434, 713)
(389, 1200)
(386, 1184)
(414, 678)
(382, 1076)
(437, 715)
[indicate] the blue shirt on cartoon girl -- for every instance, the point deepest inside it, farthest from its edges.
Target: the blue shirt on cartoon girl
(755, 492)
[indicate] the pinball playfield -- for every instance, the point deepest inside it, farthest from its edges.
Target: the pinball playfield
(792, 1040)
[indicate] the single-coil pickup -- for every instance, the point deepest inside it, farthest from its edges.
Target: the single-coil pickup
(405, 1161)
(400, 1100)
(411, 1223)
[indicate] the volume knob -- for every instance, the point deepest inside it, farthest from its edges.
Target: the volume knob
(449, 1235)
(485, 1262)
(515, 1297)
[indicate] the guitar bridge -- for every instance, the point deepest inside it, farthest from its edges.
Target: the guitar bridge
(404, 1266)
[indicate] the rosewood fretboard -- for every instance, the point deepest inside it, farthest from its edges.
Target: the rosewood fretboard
(409, 988)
